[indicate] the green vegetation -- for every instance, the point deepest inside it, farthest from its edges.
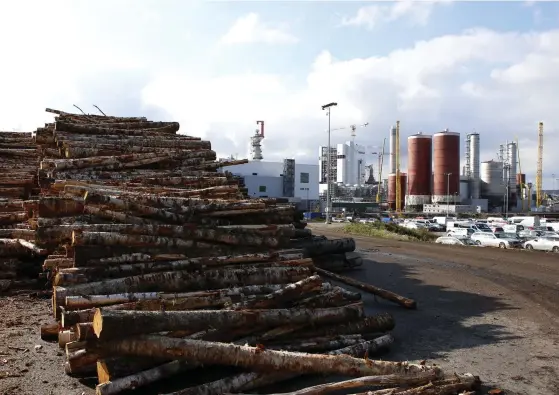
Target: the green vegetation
(389, 231)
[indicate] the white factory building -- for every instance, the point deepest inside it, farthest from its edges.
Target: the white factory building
(347, 164)
(279, 179)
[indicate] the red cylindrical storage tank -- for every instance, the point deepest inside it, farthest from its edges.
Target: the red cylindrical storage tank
(391, 198)
(419, 169)
(446, 167)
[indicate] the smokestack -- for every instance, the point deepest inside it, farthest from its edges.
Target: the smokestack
(393, 150)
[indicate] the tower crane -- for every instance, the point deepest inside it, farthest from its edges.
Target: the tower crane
(539, 172)
(398, 184)
(353, 129)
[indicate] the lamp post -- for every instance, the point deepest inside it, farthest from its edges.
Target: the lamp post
(329, 163)
(554, 179)
(447, 192)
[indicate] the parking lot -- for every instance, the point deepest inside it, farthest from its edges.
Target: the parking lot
(489, 311)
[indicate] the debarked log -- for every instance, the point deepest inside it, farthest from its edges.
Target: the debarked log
(388, 295)
(256, 358)
(113, 324)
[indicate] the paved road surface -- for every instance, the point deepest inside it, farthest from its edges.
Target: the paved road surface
(487, 311)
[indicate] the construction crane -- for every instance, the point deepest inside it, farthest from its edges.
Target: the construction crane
(398, 185)
(539, 171)
(353, 129)
(522, 185)
(381, 153)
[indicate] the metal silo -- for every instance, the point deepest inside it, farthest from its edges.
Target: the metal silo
(492, 187)
(391, 200)
(419, 169)
(446, 158)
(473, 163)
(393, 150)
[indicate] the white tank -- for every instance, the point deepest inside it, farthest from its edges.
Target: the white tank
(492, 178)
(392, 150)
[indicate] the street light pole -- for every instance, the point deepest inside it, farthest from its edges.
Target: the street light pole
(447, 192)
(329, 163)
(554, 179)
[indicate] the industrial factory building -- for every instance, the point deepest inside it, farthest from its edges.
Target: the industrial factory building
(279, 179)
(347, 164)
(287, 179)
(434, 183)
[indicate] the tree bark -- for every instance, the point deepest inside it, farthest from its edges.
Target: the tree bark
(71, 318)
(257, 358)
(182, 281)
(84, 331)
(55, 207)
(50, 331)
(70, 276)
(388, 295)
(249, 381)
(390, 380)
(112, 324)
(279, 298)
(81, 363)
(319, 345)
(12, 218)
(67, 126)
(142, 379)
(110, 369)
(84, 302)
(24, 234)
(378, 323)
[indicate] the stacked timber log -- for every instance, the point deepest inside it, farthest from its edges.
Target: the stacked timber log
(20, 259)
(161, 265)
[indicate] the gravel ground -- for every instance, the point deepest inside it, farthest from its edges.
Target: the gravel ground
(490, 312)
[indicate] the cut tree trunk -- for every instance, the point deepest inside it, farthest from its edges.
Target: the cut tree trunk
(82, 363)
(109, 369)
(182, 281)
(113, 324)
(82, 275)
(280, 297)
(388, 295)
(142, 379)
(257, 358)
(84, 302)
(84, 331)
(50, 331)
(250, 381)
(390, 380)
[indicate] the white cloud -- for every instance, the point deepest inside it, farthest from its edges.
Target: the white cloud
(500, 84)
(250, 29)
(415, 12)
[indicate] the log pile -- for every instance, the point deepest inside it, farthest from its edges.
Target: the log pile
(161, 265)
(20, 259)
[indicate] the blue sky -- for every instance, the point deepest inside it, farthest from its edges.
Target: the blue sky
(217, 67)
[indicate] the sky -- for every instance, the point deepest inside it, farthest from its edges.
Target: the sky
(218, 67)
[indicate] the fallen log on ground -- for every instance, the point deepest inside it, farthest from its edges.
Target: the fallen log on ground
(388, 295)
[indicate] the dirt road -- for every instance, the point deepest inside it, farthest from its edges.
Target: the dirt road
(487, 311)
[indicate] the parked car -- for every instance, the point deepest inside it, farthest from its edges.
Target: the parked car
(530, 234)
(431, 226)
(413, 225)
(460, 232)
(451, 240)
(495, 240)
(543, 244)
